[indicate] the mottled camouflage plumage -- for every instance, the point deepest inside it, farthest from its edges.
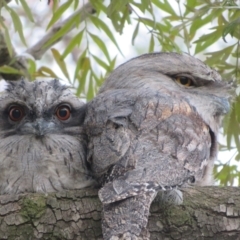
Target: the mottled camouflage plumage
(40, 153)
(149, 133)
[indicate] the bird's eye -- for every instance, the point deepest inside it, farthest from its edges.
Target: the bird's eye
(185, 81)
(63, 113)
(16, 113)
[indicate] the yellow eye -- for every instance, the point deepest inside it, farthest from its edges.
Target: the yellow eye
(185, 81)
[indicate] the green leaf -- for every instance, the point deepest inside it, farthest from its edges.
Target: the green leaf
(76, 3)
(112, 63)
(237, 158)
(98, 6)
(232, 126)
(207, 40)
(164, 6)
(226, 174)
(147, 21)
(198, 23)
(144, 5)
(46, 72)
(55, 4)
(79, 64)
(11, 70)
(101, 63)
(219, 56)
(27, 10)
(32, 68)
(123, 20)
(58, 58)
(101, 45)
(190, 6)
(62, 31)
(59, 12)
(98, 80)
(81, 85)
(118, 12)
(75, 41)
(135, 33)
(115, 21)
(82, 75)
(100, 24)
(17, 24)
(90, 92)
(8, 42)
(231, 28)
(116, 6)
(151, 45)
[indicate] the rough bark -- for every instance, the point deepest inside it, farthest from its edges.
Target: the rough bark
(207, 213)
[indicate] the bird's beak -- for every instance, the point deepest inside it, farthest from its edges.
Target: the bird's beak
(39, 127)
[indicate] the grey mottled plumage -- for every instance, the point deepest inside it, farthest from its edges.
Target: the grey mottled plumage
(152, 127)
(42, 146)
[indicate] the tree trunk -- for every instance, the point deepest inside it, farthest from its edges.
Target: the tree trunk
(207, 213)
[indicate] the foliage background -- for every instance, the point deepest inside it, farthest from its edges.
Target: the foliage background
(80, 42)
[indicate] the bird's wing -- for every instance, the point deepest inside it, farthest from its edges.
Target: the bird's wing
(144, 141)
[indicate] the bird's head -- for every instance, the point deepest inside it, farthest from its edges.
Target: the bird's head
(181, 76)
(39, 108)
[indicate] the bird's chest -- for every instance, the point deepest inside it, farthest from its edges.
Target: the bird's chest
(33, 165)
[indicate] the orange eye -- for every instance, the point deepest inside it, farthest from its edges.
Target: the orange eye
(185, 81)
(63, 113)
(16, 113)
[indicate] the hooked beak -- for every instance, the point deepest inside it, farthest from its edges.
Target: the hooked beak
(40, 127)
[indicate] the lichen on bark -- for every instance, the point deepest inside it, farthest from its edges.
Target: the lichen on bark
(206, 213)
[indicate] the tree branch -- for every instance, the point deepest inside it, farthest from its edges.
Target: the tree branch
(207, 213)
(38, 50)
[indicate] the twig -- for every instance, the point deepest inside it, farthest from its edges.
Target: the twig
(38, 50)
